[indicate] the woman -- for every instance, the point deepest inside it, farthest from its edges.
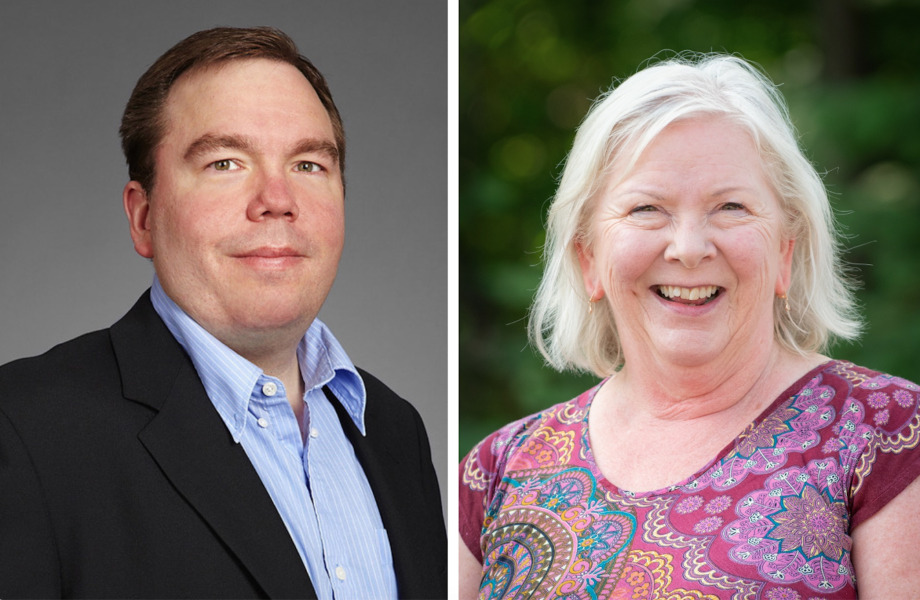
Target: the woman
(691, 262)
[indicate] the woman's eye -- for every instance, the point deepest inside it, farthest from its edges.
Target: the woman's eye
(645, 208)
(732, 206)
(308, 167)
(224, 165)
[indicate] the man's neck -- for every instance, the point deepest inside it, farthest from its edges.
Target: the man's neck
(286, 367)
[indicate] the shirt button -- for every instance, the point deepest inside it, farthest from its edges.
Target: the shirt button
(263, 422)
(270, 389)
(314, 432)
(340, 573)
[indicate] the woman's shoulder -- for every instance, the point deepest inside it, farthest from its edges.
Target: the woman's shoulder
(488, 457)
(874, 389)
(865, 404)
(865, 377)
(561, 414)
(874, 433)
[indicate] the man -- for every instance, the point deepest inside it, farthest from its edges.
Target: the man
(217, 441)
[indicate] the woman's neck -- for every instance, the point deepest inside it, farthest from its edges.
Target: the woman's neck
(664, 392)
(690, 415)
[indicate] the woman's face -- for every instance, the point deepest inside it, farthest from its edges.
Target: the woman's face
(688, 248)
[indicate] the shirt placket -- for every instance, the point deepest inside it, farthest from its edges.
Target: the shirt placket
(279, 430)
(357, 563)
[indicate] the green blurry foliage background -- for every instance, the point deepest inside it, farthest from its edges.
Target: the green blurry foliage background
(529, 70)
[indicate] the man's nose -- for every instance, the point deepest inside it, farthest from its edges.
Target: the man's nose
(273, 198)
(691, 243)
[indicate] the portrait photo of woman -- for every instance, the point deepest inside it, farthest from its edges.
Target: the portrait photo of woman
(693, 263)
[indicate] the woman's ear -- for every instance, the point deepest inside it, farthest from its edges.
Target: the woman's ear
(787, 249)
(586, 261)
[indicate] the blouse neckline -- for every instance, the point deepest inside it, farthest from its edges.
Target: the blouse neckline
(786, 396)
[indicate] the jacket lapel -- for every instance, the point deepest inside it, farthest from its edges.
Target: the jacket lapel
(409, 506)
(192, 446)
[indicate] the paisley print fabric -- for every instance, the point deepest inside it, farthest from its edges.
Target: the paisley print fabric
(769, 518)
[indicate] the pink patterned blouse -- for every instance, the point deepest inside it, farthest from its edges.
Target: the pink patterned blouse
(769, 518)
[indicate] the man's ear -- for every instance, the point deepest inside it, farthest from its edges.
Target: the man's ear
(137, 208)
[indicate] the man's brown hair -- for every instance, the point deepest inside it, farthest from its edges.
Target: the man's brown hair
(143, 124)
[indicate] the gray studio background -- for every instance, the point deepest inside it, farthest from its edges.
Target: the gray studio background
(68, 265)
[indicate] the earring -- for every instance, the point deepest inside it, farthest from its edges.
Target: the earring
(785, 303)
(591, 302)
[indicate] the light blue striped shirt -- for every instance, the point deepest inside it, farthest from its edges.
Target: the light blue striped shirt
(318, 487)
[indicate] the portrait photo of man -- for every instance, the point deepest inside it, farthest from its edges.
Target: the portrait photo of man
(219, 440)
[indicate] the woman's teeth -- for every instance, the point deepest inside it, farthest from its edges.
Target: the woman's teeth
(673, 292)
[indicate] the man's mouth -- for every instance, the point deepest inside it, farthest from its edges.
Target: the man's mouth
(271, 258)
(270, 252)
(695, 296)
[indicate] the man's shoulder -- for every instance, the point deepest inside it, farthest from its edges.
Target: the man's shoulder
(388, 416)
(83, 366)
(375, 387)
(67, 369)
(64, 359)
(383, 401)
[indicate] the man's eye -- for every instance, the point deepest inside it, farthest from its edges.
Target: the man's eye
(308, 167)
(224, 165)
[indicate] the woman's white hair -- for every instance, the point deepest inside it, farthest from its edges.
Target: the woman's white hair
(619, 126)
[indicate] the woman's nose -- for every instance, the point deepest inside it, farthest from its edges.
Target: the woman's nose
(690, 243)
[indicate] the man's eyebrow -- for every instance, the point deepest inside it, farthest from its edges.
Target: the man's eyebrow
(309, 146)
(209, 142)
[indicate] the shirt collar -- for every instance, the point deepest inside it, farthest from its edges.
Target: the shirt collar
(229, 379)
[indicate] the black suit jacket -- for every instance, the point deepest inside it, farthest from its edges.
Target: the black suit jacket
(119, 479)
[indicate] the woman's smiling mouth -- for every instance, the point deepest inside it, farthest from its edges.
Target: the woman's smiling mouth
(695, 296)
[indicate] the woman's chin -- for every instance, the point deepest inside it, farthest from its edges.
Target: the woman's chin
(688, 348)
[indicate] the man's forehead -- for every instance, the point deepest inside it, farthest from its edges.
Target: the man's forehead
(214, 96)
(235, 75)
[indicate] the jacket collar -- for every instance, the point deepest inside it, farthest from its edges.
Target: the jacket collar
(190, 443)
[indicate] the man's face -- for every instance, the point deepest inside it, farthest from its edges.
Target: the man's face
(245, 222)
